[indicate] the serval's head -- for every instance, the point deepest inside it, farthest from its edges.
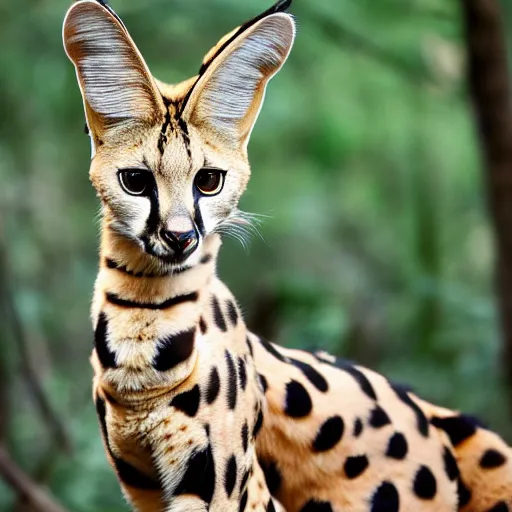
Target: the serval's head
(170, 161)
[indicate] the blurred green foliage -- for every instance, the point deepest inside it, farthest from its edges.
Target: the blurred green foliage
(377, 246)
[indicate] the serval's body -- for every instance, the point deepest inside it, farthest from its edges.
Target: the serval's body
(197, 413)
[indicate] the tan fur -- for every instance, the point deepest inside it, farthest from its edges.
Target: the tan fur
(181, 387)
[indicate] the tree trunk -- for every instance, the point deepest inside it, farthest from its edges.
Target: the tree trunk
(489, 86)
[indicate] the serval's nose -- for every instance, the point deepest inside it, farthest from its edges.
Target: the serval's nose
(182, 243)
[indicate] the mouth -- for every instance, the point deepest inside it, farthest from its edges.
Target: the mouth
(168, 257)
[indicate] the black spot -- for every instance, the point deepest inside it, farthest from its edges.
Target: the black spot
(329, 434)
(464, 493)
(249, 345)
(212, 391)
(397, 446)
(132, 477)
(501, 506)
(272, 475)
(298, 402)
(272, 350)
(206, 259)
(378, 417)
(232, 313)
(111, 264)
(492, 459)
(312, 375)
(166, 304)
(358, 375)
(207, 429)
(458, 428)
(245, 436)
(199, 477)
(202, 325)
(242, 373)
(385, 498)
(259, 423)
(358, 427)
(188, 401)
(174, 349)
(232, 381)
(263, 382)
(421, 420)
(270, 506)
(230, 476)
(425, 486)
(243, 502)
(450, 464)
(354, 466)
(128, 474)
(106, 356)
(316, 506)
(218, 317)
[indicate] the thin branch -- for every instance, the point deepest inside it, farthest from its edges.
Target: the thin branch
(40, 475)
(9, 312)
(35, 495)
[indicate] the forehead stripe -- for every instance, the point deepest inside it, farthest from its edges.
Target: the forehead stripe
(186, 138)
(162, 140)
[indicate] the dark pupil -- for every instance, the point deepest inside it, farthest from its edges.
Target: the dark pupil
(135, 181)
(208, 181)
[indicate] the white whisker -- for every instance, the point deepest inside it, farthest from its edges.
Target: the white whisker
(241, 226)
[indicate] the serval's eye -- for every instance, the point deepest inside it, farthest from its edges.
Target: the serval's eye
(136, 182)
(209, 181)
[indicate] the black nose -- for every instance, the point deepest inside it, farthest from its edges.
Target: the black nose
(181, 243)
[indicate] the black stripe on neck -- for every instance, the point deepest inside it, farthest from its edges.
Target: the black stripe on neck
(123, 268)
(173, 301)
(113, 265)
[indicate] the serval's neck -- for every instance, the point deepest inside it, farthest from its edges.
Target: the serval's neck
(147, 322)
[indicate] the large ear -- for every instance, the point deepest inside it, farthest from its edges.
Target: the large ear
(116, 85)
(227, 97)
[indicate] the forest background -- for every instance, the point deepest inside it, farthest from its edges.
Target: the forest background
(378, 243)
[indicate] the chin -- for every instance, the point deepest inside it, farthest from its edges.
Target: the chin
(171, 260)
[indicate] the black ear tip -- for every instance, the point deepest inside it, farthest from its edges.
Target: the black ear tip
(282, 5)
(105, 4)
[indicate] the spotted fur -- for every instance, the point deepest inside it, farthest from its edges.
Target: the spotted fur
(196, 413)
